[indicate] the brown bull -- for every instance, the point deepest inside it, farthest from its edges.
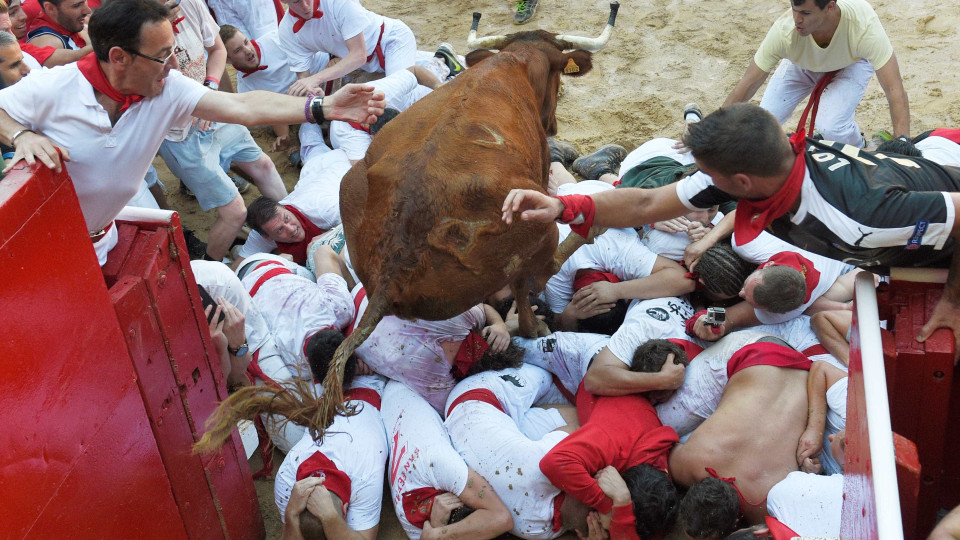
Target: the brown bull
(421, 212)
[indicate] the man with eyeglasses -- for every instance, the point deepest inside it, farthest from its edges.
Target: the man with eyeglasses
(108, 114)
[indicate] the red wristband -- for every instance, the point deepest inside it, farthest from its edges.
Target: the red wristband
(578, 212)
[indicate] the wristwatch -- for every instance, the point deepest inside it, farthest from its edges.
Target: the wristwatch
(242, 350)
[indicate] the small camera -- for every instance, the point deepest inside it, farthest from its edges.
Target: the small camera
(716, 316)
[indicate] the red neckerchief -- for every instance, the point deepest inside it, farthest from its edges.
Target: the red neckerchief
(472, 348)
(754, 216)
(378, 50)
(301, 21)
(366, 395)
(43, 20)
(175, 22)
(779, 530)
(733, 482)
(578, 212)
(90, 67)
(417, 505)
(260, 66)
(792, 259)
(299, 249)
(557, 517)
(335, 480)
(360, 127)
(593, 276)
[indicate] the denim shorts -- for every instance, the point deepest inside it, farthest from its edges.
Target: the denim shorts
(204, 157)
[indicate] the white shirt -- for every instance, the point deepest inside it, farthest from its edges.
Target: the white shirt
(670, 245)
(810, 504)
(219, 280)
(357, 445)
(618, 251)
(657, 318)
(31, 61)
(565, 354)
(421, 454)
(277, 76)
(316, 196)
(401, 91)
(937, 149)
(410, 351)
(107, 164)
(295, 308)
(252, 17)
(198, 31)
(342, 20)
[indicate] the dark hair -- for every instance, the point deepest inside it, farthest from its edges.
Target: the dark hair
(512, 357)
(227, 31)
(119, 23)
(388, 115)
(820, 3)
(650, 357)
(655, 500)
(320, 349)
(710, 508)
(54, 2)
(780, 290)
(503, 308)
(722, 270)
(311, 528)
(605, 323)
(459, 514)
(260, 211)
(901, 147)
(739, 138)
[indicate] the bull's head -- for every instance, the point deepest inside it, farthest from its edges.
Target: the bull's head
(544, 72)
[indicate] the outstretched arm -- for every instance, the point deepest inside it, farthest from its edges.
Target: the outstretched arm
(352, 103)
(748, 85)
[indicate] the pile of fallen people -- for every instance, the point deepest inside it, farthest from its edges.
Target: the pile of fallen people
(691, 372)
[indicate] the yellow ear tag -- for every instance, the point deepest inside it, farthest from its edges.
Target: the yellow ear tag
(572, 66)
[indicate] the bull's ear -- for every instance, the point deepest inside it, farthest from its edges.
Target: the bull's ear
(576, 63)
(474, 57)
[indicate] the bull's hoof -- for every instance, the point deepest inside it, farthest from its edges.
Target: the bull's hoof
(606, 160)
(562, 151)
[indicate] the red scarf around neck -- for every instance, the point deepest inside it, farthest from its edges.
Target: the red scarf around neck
(754, 216)
(301, 21)
(472, 348)
(90, 67)
(299, 249)
(260, 66)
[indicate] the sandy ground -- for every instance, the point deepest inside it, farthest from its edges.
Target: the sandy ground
(662, 55)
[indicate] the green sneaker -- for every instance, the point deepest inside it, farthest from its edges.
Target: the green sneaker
(449, 57)
(525, 9)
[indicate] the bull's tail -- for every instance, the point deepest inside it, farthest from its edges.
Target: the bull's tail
(332, 403)
(294, 400)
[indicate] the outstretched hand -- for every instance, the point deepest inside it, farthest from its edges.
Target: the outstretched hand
(359, 103)
(532, 206)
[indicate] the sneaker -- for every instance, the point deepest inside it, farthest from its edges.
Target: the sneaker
(449, 57)
(525, 9)
(196, 248)
(692, 114)
(606, 160)
(562, 151)
(185, 191)
(242, 185)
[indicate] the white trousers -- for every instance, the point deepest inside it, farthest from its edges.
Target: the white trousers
(790, 84)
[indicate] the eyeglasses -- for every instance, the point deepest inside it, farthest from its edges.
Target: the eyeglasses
(154, 58)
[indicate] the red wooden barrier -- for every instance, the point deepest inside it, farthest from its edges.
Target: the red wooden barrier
(105, 390)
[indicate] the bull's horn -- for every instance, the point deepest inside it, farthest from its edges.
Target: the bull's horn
(591, 44)
(486, 42)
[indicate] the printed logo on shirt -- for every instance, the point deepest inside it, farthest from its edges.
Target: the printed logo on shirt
(918, 232)
(546, 344)
(512, 380)
(659, 314)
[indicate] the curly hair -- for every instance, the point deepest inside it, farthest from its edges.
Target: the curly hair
(511, 357)
(710, 508)
(900, 147)
(723, 271)
(650, 357)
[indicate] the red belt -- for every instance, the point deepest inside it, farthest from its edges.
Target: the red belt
(97, 236)
(378, 50)
(267, 275)
(479, 394)
(814, 350)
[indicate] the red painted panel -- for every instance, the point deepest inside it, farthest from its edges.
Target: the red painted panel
(908, 483)
(79, 460)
